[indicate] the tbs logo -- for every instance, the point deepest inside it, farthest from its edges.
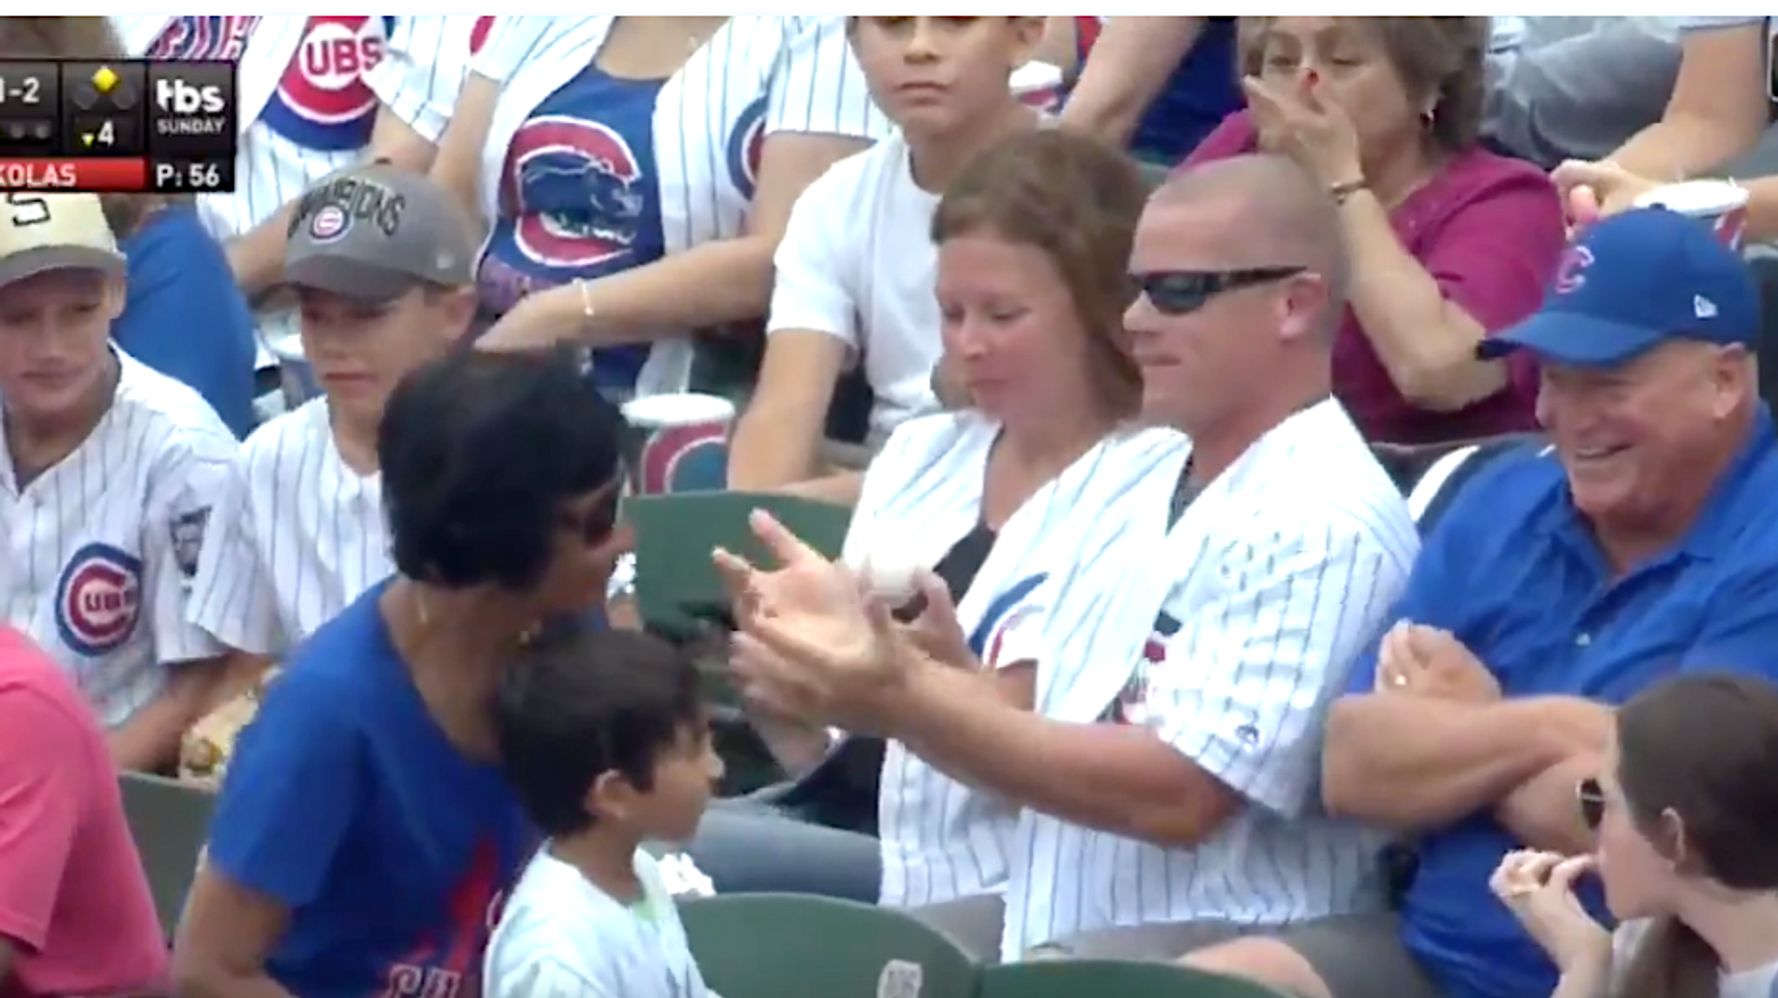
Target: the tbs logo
(177, 96)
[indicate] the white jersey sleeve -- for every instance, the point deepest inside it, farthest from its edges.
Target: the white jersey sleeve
(817, 85)
(423, 68)
(510, 42)
(814, 286)
(232, 596)
(1245, 684)
(178, 516)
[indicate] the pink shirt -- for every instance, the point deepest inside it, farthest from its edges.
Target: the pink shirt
(1489, 230)
(74, 902)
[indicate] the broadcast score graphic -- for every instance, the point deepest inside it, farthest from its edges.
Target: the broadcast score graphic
(128, 125)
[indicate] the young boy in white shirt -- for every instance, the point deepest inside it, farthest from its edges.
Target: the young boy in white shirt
(605, 743)
(855, 270)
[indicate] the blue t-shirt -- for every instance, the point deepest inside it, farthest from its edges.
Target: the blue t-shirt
(185, 316)
(1203, 89)
(579, 197)
(1513, 571)
(346, 802)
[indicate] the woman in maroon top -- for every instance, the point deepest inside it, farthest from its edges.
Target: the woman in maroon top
(1448, 241)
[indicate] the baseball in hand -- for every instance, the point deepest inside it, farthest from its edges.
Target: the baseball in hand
(892, 577)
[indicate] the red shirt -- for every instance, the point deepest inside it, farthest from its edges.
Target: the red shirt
(1489, 230)
(74, 902)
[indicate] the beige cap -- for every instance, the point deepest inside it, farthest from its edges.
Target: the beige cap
(40, 232)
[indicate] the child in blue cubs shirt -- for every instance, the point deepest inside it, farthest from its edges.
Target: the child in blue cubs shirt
(605, 743)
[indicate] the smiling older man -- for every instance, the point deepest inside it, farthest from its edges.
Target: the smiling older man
(1561, 581)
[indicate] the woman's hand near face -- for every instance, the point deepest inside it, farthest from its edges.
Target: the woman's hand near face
(1318, 135)
(1538, 888)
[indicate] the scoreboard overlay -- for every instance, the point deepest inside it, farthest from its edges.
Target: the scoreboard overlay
(125, 125)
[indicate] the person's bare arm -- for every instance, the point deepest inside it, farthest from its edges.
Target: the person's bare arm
(1412, 762)
(778, 438)
(1719, 107)
(1424, 340)
(457, 167)
(149, 740)
(1118, 778)
(1542, 811)
(257, 256)
(720, 281)
(1128, 66)
(224, 937)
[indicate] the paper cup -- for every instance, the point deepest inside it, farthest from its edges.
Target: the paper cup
(1038, 84)
(678, 442)
(1717, 203)
(295, 374)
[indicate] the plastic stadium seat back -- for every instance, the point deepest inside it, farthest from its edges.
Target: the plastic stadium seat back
(802, 946)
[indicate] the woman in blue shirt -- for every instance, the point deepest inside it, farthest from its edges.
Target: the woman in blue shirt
(364, 834)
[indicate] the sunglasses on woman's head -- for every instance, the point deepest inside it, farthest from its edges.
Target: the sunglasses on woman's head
(1181, 292)
(1591, 799)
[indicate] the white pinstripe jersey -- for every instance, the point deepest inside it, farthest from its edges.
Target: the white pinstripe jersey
(309, 89)
(756, 76)
(295, 536)
(100, 547)
(940, 839)
(1228, 635)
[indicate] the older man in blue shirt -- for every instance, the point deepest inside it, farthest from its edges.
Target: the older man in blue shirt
(1641, 541)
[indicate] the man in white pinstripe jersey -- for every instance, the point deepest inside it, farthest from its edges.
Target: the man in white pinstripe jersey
(105, 482)
(1187, 663)
(380, 262)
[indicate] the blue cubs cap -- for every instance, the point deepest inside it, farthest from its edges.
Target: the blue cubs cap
(1633, 282)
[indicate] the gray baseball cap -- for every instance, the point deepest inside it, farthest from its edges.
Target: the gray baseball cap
(374, 232)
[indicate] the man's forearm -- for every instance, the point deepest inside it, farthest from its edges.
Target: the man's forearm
(1543, 813)
(1411, 762)
(1118, 778)
(149, 740)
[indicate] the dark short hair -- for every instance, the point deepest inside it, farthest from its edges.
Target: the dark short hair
(581, 702)
(479, 450)
(1438, 57)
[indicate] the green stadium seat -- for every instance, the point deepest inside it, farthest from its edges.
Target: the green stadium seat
(1105, 978)
(170, 822)
(678, 591)
(785, 945)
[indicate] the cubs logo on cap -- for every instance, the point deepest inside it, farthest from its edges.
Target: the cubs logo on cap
(582, 161)
(328, 223)
(98, 599)
(744, 145)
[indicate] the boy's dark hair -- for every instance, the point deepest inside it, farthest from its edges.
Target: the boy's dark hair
(478, 452)
(580, 702)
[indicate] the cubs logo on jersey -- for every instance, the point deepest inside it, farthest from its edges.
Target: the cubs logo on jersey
(212, 37)
(744, 145)
(560, 160)
(98, 599)
(322, 101)
(1131, 705)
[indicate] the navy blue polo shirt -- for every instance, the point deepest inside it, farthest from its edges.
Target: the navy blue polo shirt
(1513, 571)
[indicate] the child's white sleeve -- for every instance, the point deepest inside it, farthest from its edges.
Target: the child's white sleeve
(544, 977)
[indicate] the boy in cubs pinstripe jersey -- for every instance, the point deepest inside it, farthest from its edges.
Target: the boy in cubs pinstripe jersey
(1189, 651)
(105, 481)
(379, 259)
